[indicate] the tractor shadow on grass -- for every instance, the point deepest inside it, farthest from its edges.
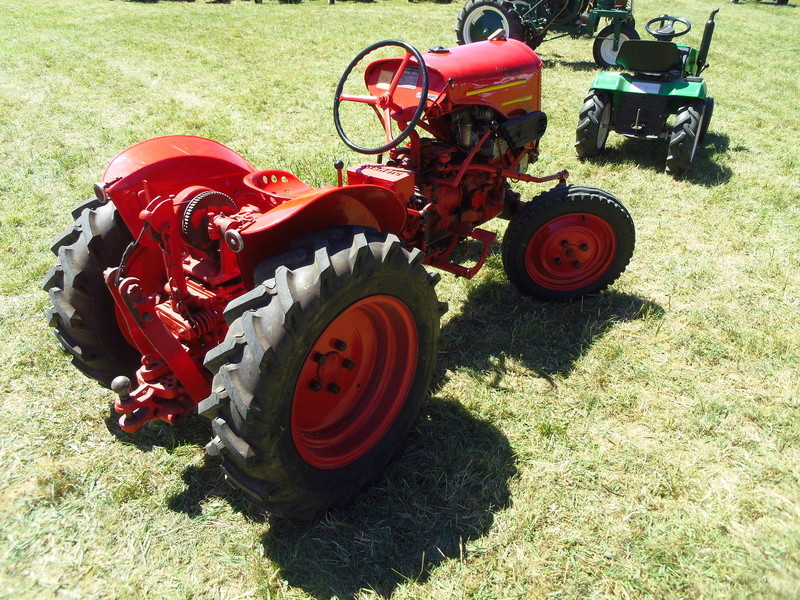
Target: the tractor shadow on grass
(193, 430)
(548, 338)
(438, 497)
(652, 155)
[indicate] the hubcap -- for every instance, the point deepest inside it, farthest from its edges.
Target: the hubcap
(570, 252)
(354, 382)
(482, 23)
(607, 50)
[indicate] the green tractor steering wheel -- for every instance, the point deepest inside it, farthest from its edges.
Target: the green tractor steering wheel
(666, 28)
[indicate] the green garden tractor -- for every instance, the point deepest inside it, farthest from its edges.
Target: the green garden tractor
(663, 80)
(531, 20)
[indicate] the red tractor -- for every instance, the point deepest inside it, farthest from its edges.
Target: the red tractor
(302, 321)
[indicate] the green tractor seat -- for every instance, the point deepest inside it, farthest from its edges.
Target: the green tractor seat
(649, 56)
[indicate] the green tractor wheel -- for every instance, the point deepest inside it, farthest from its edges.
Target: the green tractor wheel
(685, 138)
(594, 123)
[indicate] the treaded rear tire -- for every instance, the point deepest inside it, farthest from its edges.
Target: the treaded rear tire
(594, 124)
(559, 227)
(685, 138)
(82, 311)
(260, 370)
(498, 12)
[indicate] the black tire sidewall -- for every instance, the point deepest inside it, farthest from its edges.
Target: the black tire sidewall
(320, 479)
(558, 203)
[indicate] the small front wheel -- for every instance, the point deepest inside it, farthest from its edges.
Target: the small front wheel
(605, 48)
(568, 242)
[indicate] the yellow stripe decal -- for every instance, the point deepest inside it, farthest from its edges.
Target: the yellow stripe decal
(523, 99)
(492, 88)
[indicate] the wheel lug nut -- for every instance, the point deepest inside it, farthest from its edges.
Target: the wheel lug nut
(348, 364)
(584, 247)
(340, 345)
(557, 260)
(316, 385)
(564, 243)
(576, 263)
(333, 388)
(320, 358)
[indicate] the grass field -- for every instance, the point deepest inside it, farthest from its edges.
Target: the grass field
(639, 444)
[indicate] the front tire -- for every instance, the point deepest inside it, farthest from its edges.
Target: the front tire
(82, 312)
(685, 138)
(603, 48)
(594, 123)
(323, 371)
(568, 242)
(481, 18)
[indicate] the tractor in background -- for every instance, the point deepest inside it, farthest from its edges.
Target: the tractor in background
(663, 79)
(531, 20)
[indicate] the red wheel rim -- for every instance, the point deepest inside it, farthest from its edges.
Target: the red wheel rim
(570, 252)
(354, 382)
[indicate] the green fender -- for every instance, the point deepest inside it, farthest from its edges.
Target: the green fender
(622, 83)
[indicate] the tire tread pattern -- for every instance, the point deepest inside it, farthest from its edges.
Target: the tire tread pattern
(253, 351)
(82, 311)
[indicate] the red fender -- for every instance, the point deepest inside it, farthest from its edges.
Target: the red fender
(317, 210)
(164, 166)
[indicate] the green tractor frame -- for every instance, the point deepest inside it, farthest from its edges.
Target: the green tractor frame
(531, 20)
(664, 80)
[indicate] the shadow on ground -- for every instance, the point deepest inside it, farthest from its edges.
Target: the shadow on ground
(439, 496)
(443, 492)
(652, 155)
(194, 430)
(497, 322)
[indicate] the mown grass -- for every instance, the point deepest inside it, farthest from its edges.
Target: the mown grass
(639, 444)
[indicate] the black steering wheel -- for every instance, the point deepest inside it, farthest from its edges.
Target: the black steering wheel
(384, 104)
(666, 28)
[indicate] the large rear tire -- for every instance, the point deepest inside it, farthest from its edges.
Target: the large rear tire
(323, 371)
(594, 123)
(568, 242)
(685, 138)
(82, 311)
(481, 18)
(603, 48)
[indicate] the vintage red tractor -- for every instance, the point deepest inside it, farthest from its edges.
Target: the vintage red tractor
(302, 321)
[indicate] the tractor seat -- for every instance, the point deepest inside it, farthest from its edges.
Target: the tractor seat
(276, 185)
(649, 56)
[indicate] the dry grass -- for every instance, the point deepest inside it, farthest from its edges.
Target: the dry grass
(640, 444)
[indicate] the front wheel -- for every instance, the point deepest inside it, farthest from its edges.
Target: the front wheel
(481, 18)
(568, 242)
(685, 138)
(323, 371)
(604, 51)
